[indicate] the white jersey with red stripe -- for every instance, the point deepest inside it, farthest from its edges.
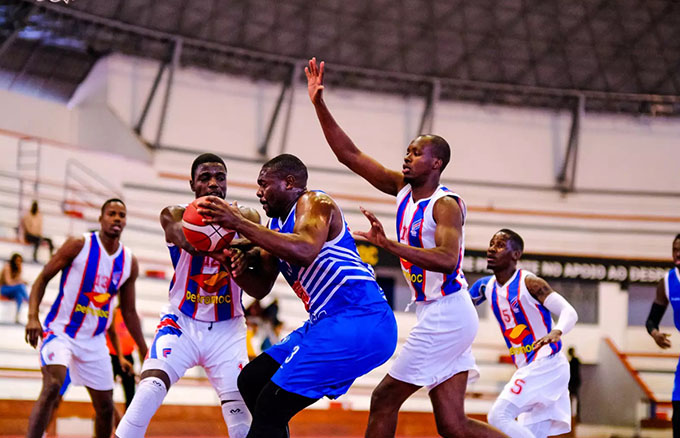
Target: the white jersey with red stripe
(522, 318)
(87, 287)
(416, 227)
(202, 288)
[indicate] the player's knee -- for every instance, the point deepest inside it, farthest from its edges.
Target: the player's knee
(104, 408)
(149, 396)
(50, 389)
(383, 399)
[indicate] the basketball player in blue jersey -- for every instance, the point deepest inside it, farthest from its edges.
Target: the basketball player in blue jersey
(668, 291)
(203, 323)
(522, 303)
(430, 219)
(351, 327)
(95, 268)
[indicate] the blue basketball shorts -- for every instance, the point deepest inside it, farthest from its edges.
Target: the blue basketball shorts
(325, 357)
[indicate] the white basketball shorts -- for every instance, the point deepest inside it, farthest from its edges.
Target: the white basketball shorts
(182, 342)
(540, 389)
(439, 345)
(87, 359)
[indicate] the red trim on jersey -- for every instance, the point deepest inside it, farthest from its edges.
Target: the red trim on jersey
(521, 307)
(186, 284)
(82, 280)
(198, 290)
(96, 273)
(401, 222)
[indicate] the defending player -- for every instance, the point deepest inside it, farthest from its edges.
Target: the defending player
(351, 327)
(95, 268)
(430, 220)
(203, 324)
(668, 291)
(522, 303)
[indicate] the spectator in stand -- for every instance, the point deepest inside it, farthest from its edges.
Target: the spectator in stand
(12, 286)
(32, 226)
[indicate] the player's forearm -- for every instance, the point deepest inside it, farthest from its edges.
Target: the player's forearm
(254, 284)
(289, 247)
(36, 296)
(134, 326)
(436, 259)
(342, 146)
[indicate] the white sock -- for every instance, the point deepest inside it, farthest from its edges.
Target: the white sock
(236, 415)
(503, 416)
(148, 398)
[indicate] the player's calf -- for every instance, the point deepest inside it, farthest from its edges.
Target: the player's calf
(148, 398)
(236, 415)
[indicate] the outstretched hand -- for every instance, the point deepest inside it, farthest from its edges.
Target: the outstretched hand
(376, 235)
(218, 211)
(314, 74)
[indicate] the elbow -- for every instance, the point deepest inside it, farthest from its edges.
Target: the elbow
(449, 265)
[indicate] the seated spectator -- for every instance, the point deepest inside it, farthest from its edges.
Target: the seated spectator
(12, 286)
(32, 226)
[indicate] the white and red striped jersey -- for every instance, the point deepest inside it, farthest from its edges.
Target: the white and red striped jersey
(83, 307)
(202, 288)
(416, 227)
(522, 318)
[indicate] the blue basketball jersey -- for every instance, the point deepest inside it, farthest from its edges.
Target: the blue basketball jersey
(336, 279)
(672, 282)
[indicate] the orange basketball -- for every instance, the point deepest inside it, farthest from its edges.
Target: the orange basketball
(204, 237)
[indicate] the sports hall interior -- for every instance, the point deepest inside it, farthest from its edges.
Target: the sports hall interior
(564, 123)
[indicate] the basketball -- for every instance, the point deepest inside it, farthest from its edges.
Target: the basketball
(202, 236)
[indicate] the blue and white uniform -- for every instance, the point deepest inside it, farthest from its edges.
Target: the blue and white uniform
(203, 324)
(333, 348)
(672, 286)
(540, 385)
(439, 345)
(74, 329)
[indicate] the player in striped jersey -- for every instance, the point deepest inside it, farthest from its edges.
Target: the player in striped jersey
(522, 303)
(351, 327)
(430, 224)
(203, 323)
(668, 292)
(95, 268)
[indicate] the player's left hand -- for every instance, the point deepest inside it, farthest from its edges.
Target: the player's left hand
(238, 261)
(376, 235)
(218, 211)
(126, 365)
(553, 336)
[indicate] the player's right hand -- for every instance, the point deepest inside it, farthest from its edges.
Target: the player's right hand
(126, 366)
(314, 75)
(661, 339)
(34, 331)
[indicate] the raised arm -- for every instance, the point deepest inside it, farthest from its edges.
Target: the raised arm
(383, 179)
(314, 213)
(128, 309)
(444, 256)
(62, 258)
(656, 314)
(556, 304)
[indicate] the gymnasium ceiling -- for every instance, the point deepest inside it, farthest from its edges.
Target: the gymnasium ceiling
(622, 56)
